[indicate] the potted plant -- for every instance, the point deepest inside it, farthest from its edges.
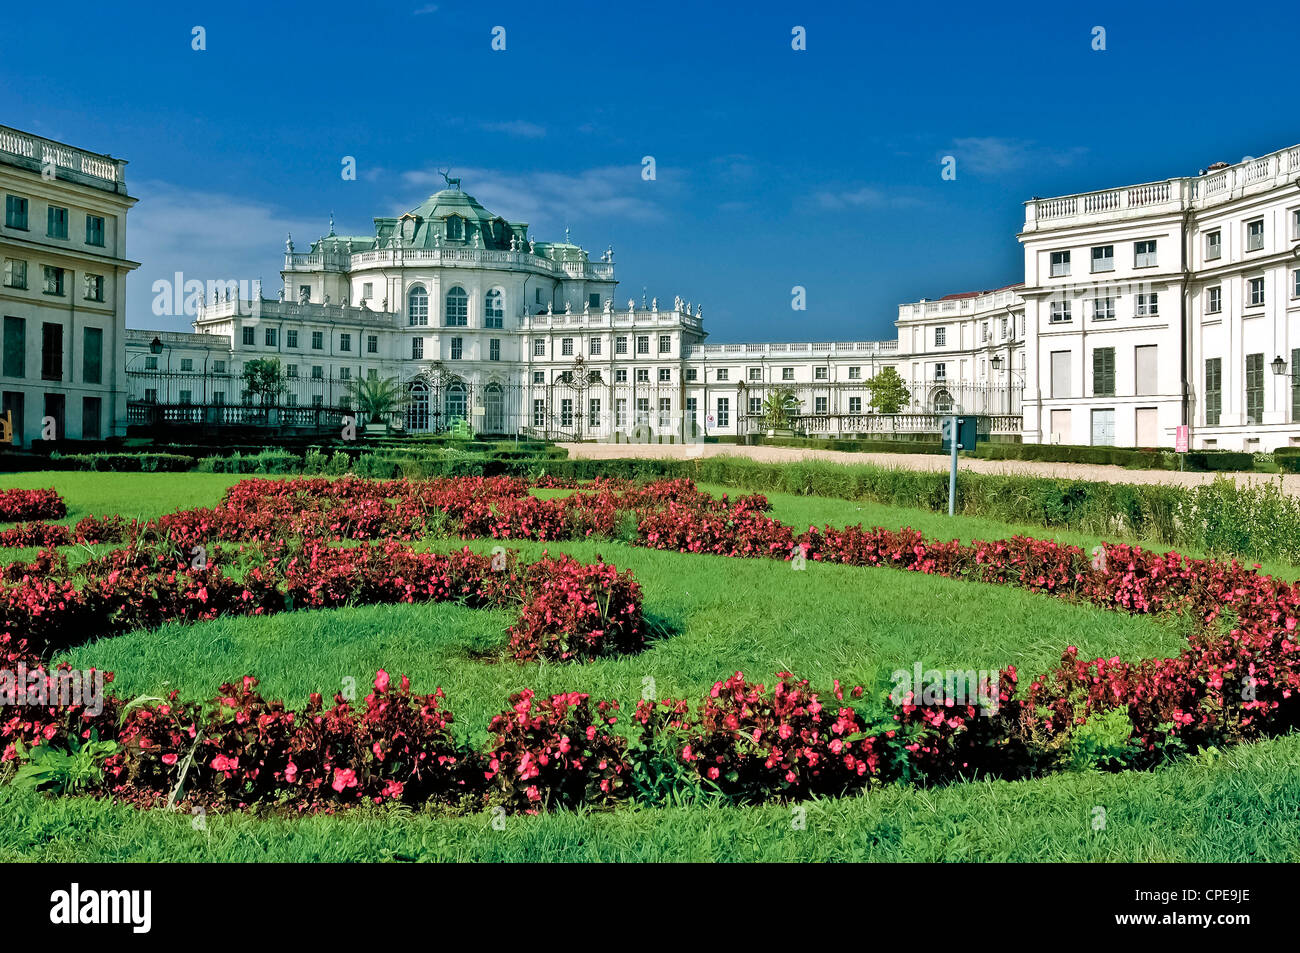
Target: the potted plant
(779, 410)
(376, 399)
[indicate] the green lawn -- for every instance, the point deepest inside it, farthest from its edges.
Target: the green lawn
(717, 615)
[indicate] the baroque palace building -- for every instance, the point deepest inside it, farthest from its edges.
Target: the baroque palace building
(1143, 309)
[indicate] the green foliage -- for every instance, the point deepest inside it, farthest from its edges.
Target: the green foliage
(46, 768)
(1103, 742)
(889, 393)
(377, 398)
(263, 378)
(779, 408)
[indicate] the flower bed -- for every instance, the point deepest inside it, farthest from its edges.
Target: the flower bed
(1236, 680)
(18, 505)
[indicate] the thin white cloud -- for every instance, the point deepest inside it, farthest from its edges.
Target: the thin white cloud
(863, 197)
(995, 155)
(550, 201)
(520, 128)
(427, 8)
(205, 236)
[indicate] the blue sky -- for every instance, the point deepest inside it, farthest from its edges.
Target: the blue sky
(775, 168)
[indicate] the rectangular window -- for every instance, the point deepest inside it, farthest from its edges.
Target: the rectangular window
(1213, 300)
(95, 230)
(593, 301)
(457, 348)
(1103, 372)
(643, 344)
(665, 375)
(317, 372)
(345, 342)
(1060, 264)
(94, 287)
(417, 349)
(218, 397)
(754, 373)
(1213, 245)
(56, 222)
(855, 405)
(15, 212)
(755, 406)
(1147, 305)
(539, 347)
(1061, 374)
(345, 373)
(539, 413)
(494, 349)
(855, 373)
(318, 340)
(1295, 283)
(291, 370)
(372, 343)
(151, 363)
(821, 373)
(218, 367)
(665, 344)
(566, 347)
(249, 336)
(92, 355)
(665, 411)
(1295, 225)
(1255, 293)
(1103, 309)
(723, 373)
(620, 344)
(187, 397)
(620, 412)
(692, 374)
(367, 291)
(620, 376)
(819, 405)
(290, 338)
(15, 357)
(692, 409)
(643, 410)
(53, 281)
(643, 375)
(1213, 390)
(269, 336)
(1255, 235)
(51, 352)
(1295, 386)
(941, 372)
(593, 347)
(940, 337)
(787, 373)
(539, 377)
(1060, 312)
(90, 419)
(593, 411)
(1146, 372)
(15, 273)
(724, 412)
(1103, 258)
(1254, 389)
(1144, 254)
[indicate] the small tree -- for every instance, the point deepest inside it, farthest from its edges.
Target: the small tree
(779, 409)
(889, 393)
(377, 397)
(264, 380)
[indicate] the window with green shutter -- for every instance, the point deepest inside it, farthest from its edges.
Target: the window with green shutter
(1103, 372)
(1295, 385)
(1254, 388)
(1213, 390)
(92, 355)
(15, 359)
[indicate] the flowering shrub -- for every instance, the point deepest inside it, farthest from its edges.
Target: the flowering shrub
(578, 612)
(556, 752)
(18, 505)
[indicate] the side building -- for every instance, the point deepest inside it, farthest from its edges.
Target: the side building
(63, 299)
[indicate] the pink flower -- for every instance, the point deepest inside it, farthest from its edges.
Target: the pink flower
(344, 778)
(381, 681)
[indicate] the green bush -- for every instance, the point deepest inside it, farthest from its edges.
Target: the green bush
(1287, 459)
(121, 462)
(266, 461)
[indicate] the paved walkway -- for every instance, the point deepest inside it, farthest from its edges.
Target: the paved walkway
(921, 461)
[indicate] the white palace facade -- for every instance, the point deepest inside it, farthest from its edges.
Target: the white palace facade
(1143, 309)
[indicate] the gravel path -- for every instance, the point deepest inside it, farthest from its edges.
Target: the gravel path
(921, 461)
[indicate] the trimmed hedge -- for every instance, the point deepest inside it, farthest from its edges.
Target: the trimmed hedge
(1287, 459)
(118, 462)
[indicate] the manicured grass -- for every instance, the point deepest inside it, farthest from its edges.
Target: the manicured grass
(1241, 806)
(717, 615)
(723, 615)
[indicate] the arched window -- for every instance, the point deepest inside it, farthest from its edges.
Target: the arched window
(417, 406)
(494, 309)
(942, 401)
(457, 308)
(454, 403)
(417, 305)
(494, 404)
(455, 228)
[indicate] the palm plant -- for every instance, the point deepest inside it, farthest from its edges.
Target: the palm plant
(377, 397)
(779, 409)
